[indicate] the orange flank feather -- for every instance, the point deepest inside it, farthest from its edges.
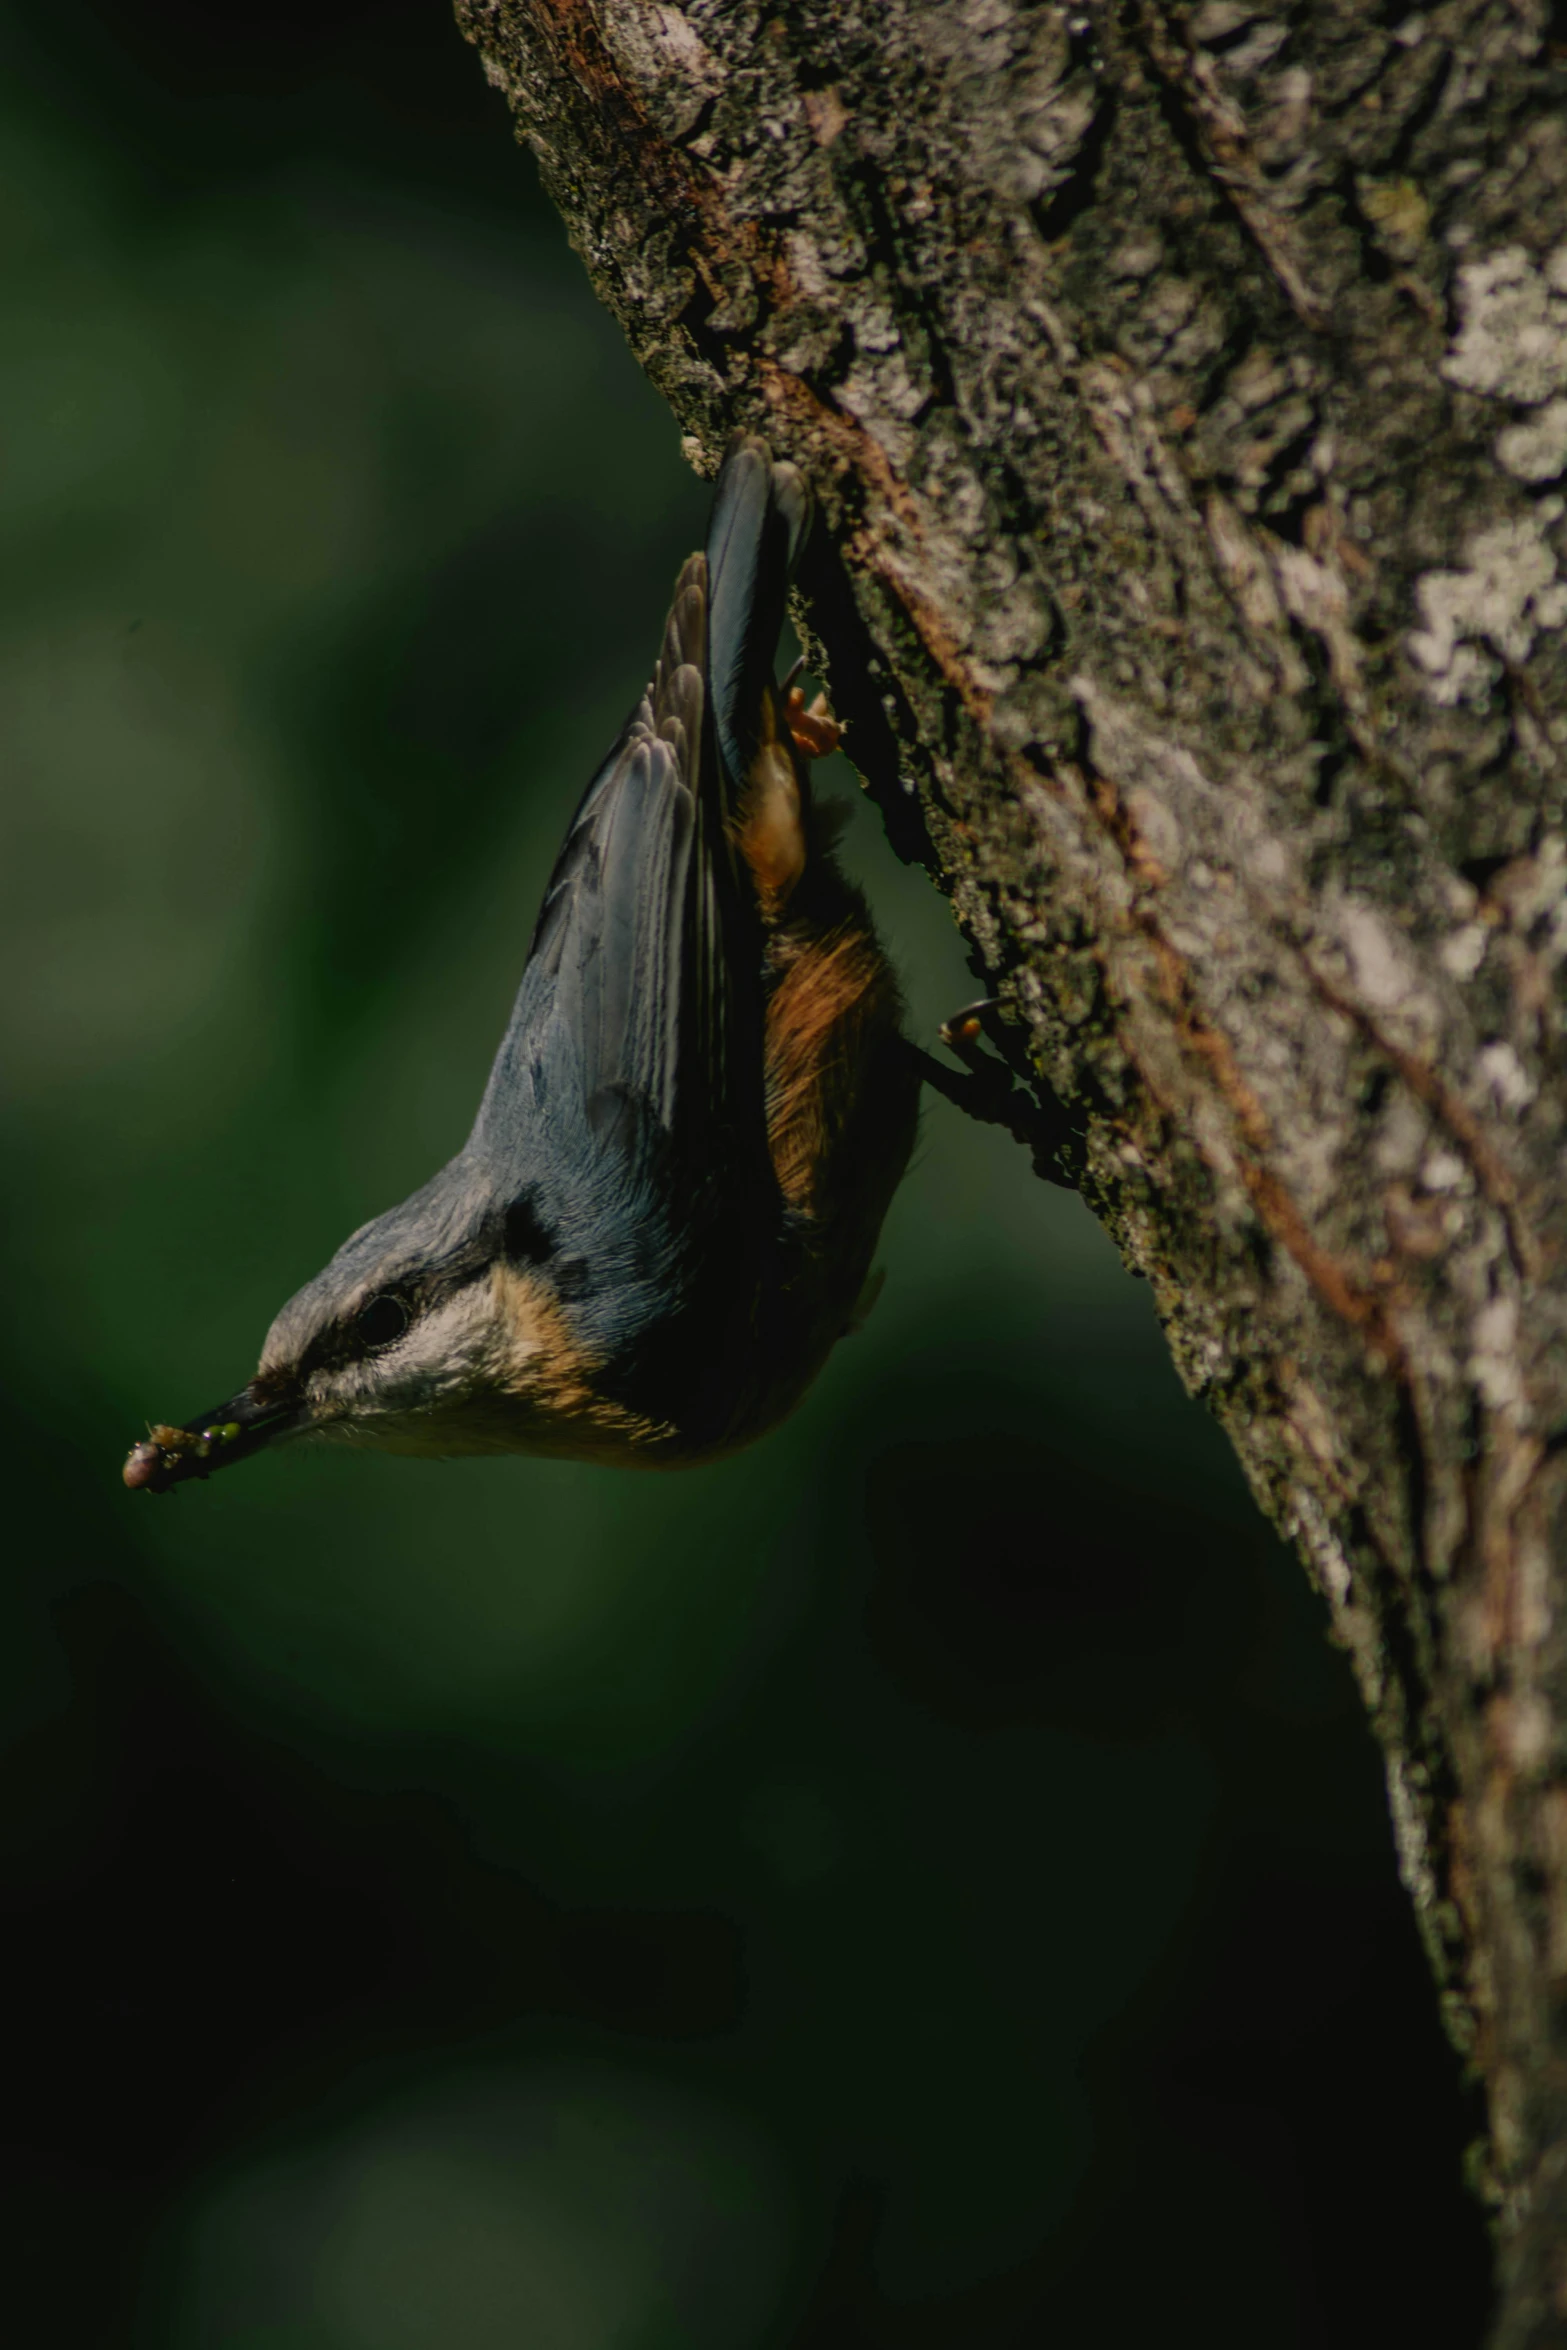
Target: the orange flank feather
(833, 988)
(832, 1002)
(770, 820)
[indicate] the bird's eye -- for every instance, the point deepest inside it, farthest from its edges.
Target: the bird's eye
(383, 1319)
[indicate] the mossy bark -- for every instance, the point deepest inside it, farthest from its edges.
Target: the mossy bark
(1186, 394)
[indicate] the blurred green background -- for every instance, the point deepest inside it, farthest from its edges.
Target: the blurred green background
(923, 1883)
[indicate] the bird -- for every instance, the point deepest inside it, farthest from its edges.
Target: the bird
(666, 1212)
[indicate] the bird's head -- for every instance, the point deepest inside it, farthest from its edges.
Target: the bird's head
(438, 1328)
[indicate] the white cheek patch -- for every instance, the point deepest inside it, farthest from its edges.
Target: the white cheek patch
(444, 1352)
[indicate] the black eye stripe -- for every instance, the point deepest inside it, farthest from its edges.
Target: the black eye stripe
(528, 1241)
(382, 1320)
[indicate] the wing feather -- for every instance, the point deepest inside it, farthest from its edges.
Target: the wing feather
(642, 985)
(637, 1030)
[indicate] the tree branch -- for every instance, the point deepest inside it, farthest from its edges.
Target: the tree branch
(1186, 391)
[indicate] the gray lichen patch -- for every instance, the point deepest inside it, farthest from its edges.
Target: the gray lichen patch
(1536, 450)
(1489, 613)
(1512, 338)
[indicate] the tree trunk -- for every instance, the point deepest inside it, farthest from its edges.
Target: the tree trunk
(1186, 392)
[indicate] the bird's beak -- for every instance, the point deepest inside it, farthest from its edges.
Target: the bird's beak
(232, 1432)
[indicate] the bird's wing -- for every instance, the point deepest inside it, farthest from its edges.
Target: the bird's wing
(623, 1130)
(630, 1081)
(761, 517)
(639, 953)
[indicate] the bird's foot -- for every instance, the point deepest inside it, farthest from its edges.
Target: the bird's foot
(961, 1033)
(814, 731)
(988, 1093)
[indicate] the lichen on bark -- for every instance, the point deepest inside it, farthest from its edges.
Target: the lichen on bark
(1186, 393)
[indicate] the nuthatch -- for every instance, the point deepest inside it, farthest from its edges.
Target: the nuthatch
(665, 1214)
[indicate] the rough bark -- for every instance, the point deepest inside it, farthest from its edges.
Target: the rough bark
(1186, 390)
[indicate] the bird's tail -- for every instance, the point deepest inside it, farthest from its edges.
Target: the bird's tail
(761, 519)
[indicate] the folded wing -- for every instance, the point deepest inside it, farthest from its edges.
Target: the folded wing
(626, 1103)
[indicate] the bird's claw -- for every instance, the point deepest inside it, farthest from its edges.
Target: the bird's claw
(962, 1032)
(814, 731)
(988, 1093)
